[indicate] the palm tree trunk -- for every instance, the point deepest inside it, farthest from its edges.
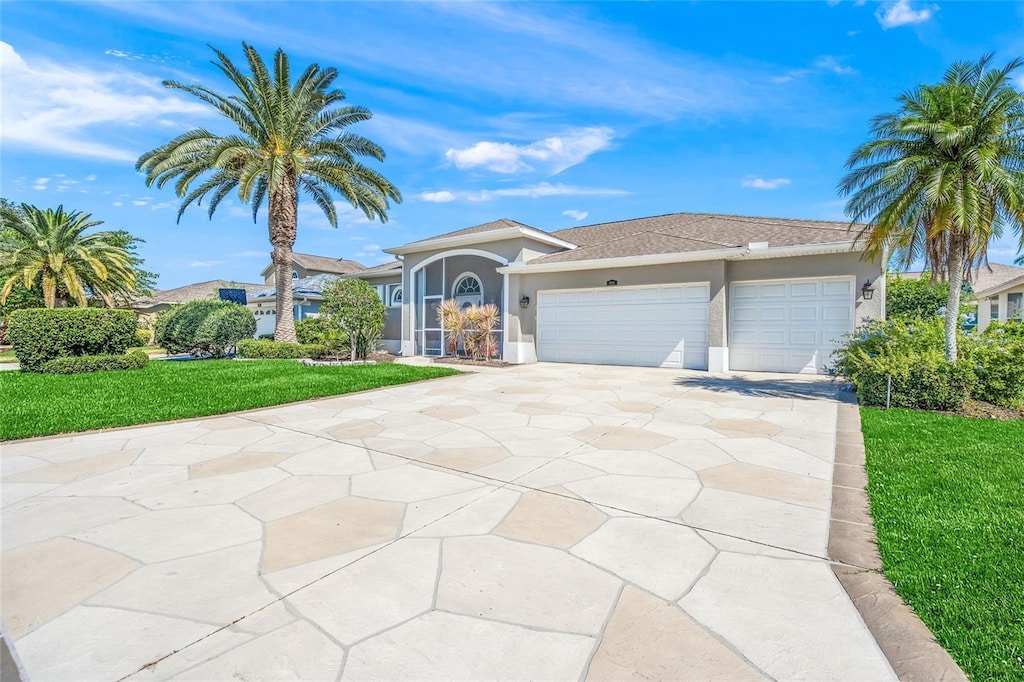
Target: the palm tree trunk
(956, 279)
(282, 224)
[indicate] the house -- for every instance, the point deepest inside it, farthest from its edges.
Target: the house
(310, 275)
(685, 290)
(163, 299)
(999, 290)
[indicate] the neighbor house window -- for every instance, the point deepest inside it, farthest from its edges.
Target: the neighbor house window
(295, 274)
(1014, 308)
(993, 309)
(395, 295)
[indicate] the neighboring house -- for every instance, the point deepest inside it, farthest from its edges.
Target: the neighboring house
(999, 290)
(687, 290)
(307, 265)
(165, 298)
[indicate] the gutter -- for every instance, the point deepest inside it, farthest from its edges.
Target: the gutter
(755, 251)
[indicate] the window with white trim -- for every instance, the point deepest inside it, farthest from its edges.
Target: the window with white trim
(467, 286)
(1015, 307)
(394, 295)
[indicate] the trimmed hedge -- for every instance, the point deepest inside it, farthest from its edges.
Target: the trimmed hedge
(134, 359)
(998, 357)
(43, 334)
(276, 350)
(929, 384)
(203, 327)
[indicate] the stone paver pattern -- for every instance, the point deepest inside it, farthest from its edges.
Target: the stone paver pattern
(546, 522)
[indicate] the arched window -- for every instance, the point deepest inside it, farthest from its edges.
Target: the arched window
(468, 285)
(295, 274)
(396, 295)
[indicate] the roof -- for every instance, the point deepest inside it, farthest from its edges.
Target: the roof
(691, 232)
(304, 286)
(392, 268)
(499, 224)
(496, 230)
(194, 292)
(988, 279)
(338, 266)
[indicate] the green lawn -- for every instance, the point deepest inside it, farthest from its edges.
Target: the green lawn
(44, 404)
(8, 356)
(947, 495)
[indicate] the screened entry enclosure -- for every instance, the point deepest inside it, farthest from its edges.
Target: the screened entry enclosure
(469, 280)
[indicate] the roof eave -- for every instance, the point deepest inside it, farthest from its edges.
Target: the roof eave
(480, 238)
(1000, 288)
(730, 253)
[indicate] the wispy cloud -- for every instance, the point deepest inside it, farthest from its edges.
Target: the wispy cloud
(40, 183)
(250, 254)
(576, 215)
(204, 263)
(442, 197)
(834, 64)
(902, 13)
(371, 254)
(73, 110)
(552, 154)
(760, 183)
(538, 191)
(133, 56)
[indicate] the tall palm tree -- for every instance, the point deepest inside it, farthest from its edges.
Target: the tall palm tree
(291, 139)
(49, 247)
(943, 176)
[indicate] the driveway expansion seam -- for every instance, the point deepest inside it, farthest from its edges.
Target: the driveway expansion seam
(902, 636)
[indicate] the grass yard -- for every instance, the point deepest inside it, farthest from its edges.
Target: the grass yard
(8, 356)
(45, 404)
(947, 495)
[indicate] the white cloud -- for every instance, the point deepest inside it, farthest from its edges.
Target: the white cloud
(552, 154)
(544, 189)
(902, 13)
(441, 197)
(140, 202)
(118, 203)
(204, 263)
(761, 183)
(90, 178)
(576, 215)
(830, 63)
(371, 254)
(40, 183)
(73, 110)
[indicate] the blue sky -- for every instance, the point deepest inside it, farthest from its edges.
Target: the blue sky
(553, 114)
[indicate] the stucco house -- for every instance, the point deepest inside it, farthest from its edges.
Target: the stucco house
(999, 290)
(686, 290)
(163, 299)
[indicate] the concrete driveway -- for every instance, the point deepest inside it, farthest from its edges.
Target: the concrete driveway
(546, 522)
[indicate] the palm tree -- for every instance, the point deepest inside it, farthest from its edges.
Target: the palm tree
(291, 139)
(49, 247)
(943, 176)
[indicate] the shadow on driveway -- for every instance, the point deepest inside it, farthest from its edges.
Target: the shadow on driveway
(771, 386)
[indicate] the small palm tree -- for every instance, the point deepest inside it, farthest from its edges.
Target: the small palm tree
(291, 140)
(943, 176)
(49, 247)
(452, 320)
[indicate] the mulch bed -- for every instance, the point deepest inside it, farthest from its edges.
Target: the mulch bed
(468, 361)
(979, 409)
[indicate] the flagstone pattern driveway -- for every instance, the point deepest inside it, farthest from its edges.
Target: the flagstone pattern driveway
(546, 522)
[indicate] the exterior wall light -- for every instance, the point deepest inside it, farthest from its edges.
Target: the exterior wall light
(612, 282)
(524, 302)
(867, 290)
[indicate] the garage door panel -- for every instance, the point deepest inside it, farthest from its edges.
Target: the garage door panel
(652, 326)
(816, 314)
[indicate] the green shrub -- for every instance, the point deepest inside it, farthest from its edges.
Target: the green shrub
(133, 359)
(998, 360)
(224, 328)
(912, 353)
(323, 331)
(276, 350)
(355, 307)
(177, 329)
(266, 337)
(42, 334)
(143, 337)
(914, 297)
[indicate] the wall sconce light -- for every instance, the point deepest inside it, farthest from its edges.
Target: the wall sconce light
(524, 302)
(867, 290)
(612, 282)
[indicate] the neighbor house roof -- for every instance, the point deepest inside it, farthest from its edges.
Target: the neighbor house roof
(692, 232)
(194, 292)
(988, 280)
(384, 270)
(338, 266)
(304, 286)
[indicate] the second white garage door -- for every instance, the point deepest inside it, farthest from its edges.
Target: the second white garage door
(665, 326)
(788, 325)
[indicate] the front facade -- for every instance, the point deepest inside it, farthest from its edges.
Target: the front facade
(696, 291)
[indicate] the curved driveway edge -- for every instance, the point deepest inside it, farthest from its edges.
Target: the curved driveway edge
(903, 637)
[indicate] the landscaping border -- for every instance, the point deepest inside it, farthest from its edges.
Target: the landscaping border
(905, 640)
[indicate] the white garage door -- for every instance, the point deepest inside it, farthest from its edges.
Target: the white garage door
(663, 326)
(788, 325)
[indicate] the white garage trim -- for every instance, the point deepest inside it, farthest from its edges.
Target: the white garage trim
(663, 325)
(789, 325)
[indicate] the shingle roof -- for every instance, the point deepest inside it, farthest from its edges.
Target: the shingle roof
(991, 277)
(499, 224)
(386, 267)
(301, 287)
(686, 232)
(195, 292)
(339, 266)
